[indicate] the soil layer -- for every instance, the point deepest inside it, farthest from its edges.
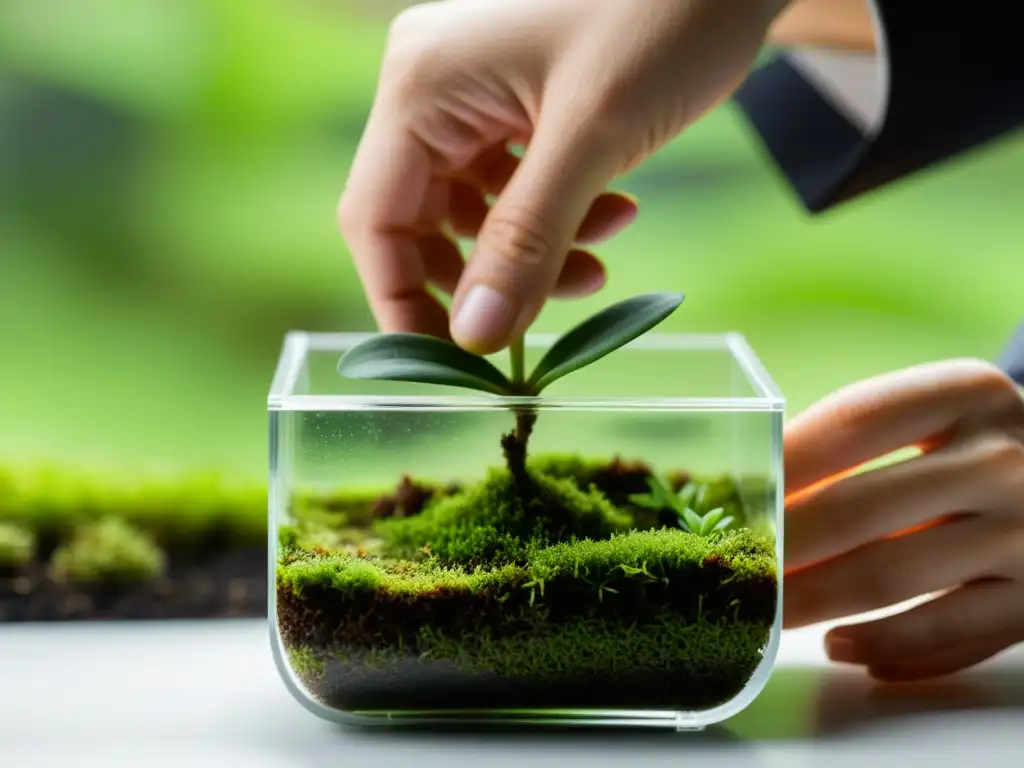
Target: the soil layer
(212, 584)
(422, 685)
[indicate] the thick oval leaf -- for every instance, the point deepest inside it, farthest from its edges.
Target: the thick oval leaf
(601, 334)
(692, 520)
(711, 520)
(423, 359)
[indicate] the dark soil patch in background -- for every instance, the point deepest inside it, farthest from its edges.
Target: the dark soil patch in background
(210, 585)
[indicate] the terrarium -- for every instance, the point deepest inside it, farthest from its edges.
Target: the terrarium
(583, 534)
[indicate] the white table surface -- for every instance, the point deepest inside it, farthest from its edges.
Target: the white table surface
(198, 694)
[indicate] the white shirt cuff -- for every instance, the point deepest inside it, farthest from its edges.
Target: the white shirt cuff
(856, 84)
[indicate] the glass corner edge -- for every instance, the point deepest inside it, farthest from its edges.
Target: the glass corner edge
(289, 364)
(755, 370)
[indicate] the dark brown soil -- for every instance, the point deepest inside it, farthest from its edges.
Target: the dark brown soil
(408, 498)
(226, 584)
(415, 684)
(620, 479)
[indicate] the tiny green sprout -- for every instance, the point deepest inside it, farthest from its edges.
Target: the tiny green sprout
(426, 359)
(691, 495)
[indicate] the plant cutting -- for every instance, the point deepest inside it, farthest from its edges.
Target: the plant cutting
(546, 580)
(429, 360)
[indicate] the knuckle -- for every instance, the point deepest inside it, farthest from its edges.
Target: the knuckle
(518, 238)
(411, 21)
(985, 377)
(1000, 454)
(414, 49)
(347, 215)
(994, 467)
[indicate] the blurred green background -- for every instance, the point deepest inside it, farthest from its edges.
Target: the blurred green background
(168, 176)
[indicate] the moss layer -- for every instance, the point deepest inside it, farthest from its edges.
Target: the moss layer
(670, 663)
(630, 578)
(479, 597)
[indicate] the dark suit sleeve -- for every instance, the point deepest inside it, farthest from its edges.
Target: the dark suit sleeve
(955, 76)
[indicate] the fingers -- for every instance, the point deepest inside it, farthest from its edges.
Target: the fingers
(389, 194)
(611, 213)
(523, 243)
(938, 663)
(582, 274)
(891, 571)
(941, 636)
(877, 416)
(983, 473)
(442, 262)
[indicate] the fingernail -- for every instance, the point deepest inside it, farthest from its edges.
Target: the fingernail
(843, 649)
(483, 317)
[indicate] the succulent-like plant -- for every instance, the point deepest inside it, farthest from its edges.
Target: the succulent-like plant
(685, 504)
(429, 360)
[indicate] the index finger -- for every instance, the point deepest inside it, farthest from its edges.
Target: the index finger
(916, 406)
(379, 213)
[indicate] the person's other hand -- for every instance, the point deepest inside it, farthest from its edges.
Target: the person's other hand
(590, 87)
(947, 521)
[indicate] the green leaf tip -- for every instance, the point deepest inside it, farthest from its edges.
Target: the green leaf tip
(422, 359)
(602, 334)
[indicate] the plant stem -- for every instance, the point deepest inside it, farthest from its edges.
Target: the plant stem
(517, 351)
(514, 443)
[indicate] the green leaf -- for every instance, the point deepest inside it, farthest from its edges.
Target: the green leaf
(692, 520)
(711, 520)
(701, 499)
(686, 494)
(662, 493)
(422, 359)
(646, 500)
(601, 334)
(724, 523)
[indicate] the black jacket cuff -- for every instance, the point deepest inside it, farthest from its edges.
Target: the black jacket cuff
(955, 80)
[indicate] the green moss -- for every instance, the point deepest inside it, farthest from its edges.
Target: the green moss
(305, 663)
(352, 576)
(595, 647)
(568, 466)
(598, 567)
(544, 598)
(108, 551)
(654, 556)
(490, 522)
(177, 511)
(17, 546)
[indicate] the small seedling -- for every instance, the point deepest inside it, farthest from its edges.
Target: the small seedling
(684, 503)
(429, 360)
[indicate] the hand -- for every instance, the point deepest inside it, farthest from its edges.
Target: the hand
(950, 520)
(590, 86)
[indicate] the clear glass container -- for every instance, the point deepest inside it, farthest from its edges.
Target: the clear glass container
(412, 577)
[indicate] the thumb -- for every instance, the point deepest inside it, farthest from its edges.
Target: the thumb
(523, 243)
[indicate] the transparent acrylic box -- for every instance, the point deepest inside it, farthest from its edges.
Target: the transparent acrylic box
(411, 581)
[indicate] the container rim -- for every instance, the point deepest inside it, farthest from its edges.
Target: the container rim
(299, 344)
